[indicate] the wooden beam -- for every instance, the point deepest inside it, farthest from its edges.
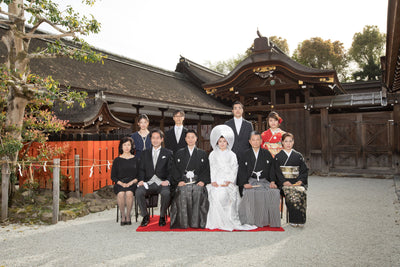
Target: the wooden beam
(278, 87)
(277, 107)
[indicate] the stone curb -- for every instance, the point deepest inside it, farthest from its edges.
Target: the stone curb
(396, 179)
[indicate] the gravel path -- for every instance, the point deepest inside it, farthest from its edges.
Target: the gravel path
(350, 222)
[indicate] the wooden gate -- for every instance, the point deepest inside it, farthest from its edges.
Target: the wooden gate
(361, 141)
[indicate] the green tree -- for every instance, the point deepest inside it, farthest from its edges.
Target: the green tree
(26, 99)
(323, 54)
(226, 66)
(281, 43)
(366, 50)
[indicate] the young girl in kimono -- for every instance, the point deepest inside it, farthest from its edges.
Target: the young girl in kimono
(271, 138)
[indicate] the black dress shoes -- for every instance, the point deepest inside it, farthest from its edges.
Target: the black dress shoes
(146, 220)
(162, 221)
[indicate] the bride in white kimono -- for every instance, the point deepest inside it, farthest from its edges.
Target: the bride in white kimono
(223, 193)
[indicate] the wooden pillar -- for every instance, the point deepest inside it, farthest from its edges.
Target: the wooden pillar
(259, 119)
(287, 98)
(162, 118)
(324, 141)
(135, 126)
(396, 141)
(273, 97)
(307, 128)
(360, 128)
(216, 121)
(200, 139)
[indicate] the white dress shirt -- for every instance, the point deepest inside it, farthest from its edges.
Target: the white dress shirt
(238, 124)
(178, 132)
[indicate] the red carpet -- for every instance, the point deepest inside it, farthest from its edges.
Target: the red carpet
(153, 227)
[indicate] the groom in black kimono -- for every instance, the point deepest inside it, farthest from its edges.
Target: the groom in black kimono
(154, 177)
(190, 174)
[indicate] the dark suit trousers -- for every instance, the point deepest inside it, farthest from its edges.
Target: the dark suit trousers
(141, 193)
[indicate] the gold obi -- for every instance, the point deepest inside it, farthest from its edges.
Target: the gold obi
(290, 172)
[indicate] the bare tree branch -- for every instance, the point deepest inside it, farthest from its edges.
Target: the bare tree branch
(42, 20)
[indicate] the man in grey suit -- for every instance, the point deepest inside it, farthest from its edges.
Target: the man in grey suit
(242, 129)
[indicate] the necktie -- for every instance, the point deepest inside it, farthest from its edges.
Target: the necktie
(178, 134)
(155, 157)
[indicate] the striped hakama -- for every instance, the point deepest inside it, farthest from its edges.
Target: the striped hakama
(260, 205)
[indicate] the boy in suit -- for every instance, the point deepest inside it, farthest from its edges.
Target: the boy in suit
(175, 137)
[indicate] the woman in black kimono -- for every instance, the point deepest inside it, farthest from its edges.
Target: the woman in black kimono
(292, 173)
(124, 174)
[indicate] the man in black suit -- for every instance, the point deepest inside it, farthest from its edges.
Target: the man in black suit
(154, 176)
(175, 137)
(242, 129)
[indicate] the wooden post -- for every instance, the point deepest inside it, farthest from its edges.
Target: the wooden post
(360, 128)
(200, 139)
(396, 145)
(273, 97)
(162, 118)
(307, 126)
(56, 189)
(287, 98)
(259, 119)
(77, 189)
(324, 141)
(135, 124)
(5, 180)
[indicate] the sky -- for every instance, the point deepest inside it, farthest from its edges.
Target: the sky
(157, 32)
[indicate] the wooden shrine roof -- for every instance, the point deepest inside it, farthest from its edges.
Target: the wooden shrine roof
(196, 72)
(254, 75)
(127, 79)
(391, 62)
(96, 115)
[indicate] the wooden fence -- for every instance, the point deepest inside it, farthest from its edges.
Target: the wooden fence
(95, 162)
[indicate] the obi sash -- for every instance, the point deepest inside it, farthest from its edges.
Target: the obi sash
(290, 172)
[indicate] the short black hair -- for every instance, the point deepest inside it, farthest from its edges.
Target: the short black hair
(192, 131)
(123, 141)
(161, 133)
(178, 111)
(254, 133)
(237, 103)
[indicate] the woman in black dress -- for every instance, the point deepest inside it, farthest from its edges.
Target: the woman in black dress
(124, 174)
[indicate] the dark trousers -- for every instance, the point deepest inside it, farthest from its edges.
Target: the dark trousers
(141, 193)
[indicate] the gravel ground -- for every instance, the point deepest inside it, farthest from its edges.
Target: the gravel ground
(350, 222)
